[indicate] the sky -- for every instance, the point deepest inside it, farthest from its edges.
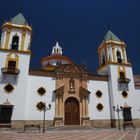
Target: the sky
(79, 26)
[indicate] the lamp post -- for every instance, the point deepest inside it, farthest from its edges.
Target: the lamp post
(118, 111)
(45, 109)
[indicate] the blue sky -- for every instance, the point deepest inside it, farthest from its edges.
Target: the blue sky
(79, 26)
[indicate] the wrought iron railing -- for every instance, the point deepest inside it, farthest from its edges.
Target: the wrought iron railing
(10, 70)
(123, 80)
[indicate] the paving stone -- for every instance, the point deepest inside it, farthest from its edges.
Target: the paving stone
(93, 134)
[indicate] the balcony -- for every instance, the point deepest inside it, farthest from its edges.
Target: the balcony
(123, 80)
(10, 70)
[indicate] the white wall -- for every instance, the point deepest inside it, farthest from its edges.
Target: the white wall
(35, 82)
(93, 87)
(118, 99)
(18, 96)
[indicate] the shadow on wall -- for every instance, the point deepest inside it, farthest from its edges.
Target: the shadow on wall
(8, 78)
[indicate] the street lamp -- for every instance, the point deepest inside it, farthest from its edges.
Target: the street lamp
(45, 109)
(118, 111)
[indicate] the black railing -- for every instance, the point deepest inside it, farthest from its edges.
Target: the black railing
(123, 80)
(10, 70)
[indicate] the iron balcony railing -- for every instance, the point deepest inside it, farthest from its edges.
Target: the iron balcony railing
(123, 80)
(10, 70)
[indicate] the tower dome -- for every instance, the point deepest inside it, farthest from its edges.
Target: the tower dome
(55, 59)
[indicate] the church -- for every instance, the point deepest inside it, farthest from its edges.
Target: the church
(61, 91)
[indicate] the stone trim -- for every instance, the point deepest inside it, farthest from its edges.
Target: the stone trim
(15, 51)
(53, 74)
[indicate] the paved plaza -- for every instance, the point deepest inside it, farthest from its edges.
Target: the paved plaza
(94, 134)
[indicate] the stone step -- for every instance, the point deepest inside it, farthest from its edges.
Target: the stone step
(71, 127)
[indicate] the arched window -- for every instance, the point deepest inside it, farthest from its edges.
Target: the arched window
(15, 42)
(119, 58)
(103, 59)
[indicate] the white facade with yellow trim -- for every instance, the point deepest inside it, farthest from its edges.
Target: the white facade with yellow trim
(67, 87)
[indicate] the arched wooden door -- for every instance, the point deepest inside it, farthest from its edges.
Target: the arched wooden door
(72, 114)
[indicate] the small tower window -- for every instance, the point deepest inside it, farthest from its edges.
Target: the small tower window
(15, 42)
(103, 59)
(12, 64)
(119, 59)
(122, 75)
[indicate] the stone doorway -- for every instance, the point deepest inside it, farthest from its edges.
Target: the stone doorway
(72, 114)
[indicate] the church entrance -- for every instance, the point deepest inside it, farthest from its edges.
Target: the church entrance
(72, 114)
(5, 113)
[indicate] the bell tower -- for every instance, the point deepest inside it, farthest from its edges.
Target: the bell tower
(14, 65)
(113, 62)
(111, 51)
(16, 34)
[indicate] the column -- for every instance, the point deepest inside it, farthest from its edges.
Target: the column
(7, 39)
(23, 41)
(86, 102)
(124, 55)
(56, 107)
(113, 52)
(106, 54)
(61, 110)
(84, 107)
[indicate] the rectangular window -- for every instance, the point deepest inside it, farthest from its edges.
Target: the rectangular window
(122, 75)
(12, 64)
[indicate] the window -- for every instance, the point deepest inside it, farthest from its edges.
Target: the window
(124, 94)
(103, 59)
(41, 91)
(119, 59)
(122, 75)
(8, 88)
(40, 106)
(99, 107)
(12, 64)
(15, 43)
(99, 94)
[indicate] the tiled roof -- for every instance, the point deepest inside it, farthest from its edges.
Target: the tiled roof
(111, 36)
(19, 19)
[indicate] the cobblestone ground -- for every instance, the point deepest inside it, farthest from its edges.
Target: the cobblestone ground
(97, 134)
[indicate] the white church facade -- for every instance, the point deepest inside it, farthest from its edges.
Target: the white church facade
(76, 96)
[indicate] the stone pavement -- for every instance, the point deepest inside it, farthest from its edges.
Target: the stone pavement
(93, 134)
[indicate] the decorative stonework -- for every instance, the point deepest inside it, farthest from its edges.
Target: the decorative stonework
(41, 91)
(8, 88)
(99, 94)
(124, 94)
(99, 107)
(40, 106)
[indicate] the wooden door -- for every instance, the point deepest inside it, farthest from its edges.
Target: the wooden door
(72, 115)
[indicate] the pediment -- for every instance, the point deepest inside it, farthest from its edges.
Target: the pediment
(59, 91)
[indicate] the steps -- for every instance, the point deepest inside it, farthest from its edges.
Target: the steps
(70, 127)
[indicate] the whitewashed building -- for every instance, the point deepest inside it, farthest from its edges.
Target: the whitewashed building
(76, 96)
